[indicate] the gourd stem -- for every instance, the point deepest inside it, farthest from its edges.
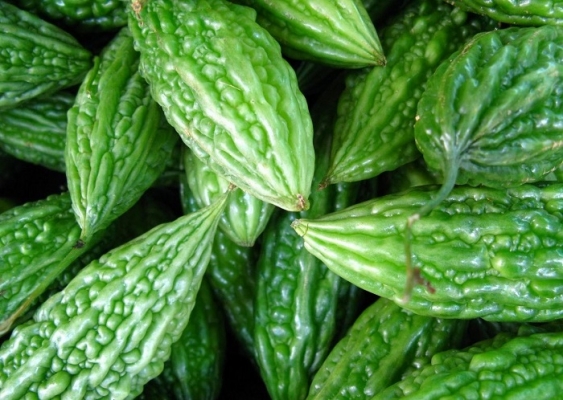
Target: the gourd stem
(412, 273)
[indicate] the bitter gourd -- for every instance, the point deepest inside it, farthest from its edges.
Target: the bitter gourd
(503, 368)
(335, 32)
(38, 241)
(484, 252)
(376, 113)
(384, 342)
(111, 329)
(36, 57)
(234, 100)
(117, 138)
(231, 275)
(86, 15)
(194, 370)
(245, 216)
(533, 12)
(35, 131)
(299, 302)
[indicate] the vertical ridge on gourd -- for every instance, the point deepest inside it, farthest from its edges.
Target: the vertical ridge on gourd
(111, 329)
(36, 58)
(35, 131)
(338, 32)
(491, 115)
(529, 13)
(383, 344)
(117, 139)
(245, 217)
(374, 130)
(234, 100)
(489, 253)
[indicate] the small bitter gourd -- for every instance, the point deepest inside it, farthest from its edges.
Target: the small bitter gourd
(483, 252)
(117, 138)
(384, 342)
(339, 33)
(35, 131)
(111, 329)
(234, 100)
(36, 57)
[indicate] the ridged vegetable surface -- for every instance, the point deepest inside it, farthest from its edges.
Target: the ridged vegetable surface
(94, 15)
(335, 32)
(36, 58)
(118, 141)
(245, 216)
(384, 343)
(234, 100)
(533, 12)
(38, 240)
(111, 329)
(503, 368)
(300, 306)
(374, 130)
(483, 252)
(35, 131)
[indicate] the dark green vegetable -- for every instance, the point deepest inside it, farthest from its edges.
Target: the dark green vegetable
(234, 100)
(334, 32)
(36, 58)
(111, 329)
(503, 368)
(90, 15)
(483, 252)
(532, 12)
(376, 112)
(384, 342)
(35, 131)
(117, 139)
(300, 303)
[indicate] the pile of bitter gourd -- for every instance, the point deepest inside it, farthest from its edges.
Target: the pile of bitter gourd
(362, 200)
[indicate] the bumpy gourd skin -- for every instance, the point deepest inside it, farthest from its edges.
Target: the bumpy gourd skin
(492, 114)
(36, 57)
(36, 130)
(484, 252)
(231, 275)
(374, 130)
(111, 329)
(299, 302)
(225, 87)
(384, 342)
(87, 14)
(245, 216)
(516, 12)
(335, 32)
(117, 138)
(503, 368)
(195, 367)
(38, 239)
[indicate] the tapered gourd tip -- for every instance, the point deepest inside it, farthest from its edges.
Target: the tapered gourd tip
(302, 203)
(300, 226)
(324, 183)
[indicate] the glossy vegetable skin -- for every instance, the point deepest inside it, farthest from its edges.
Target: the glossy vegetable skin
(482, 252)
(126, 308)
(241, 112)
(37, 57)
